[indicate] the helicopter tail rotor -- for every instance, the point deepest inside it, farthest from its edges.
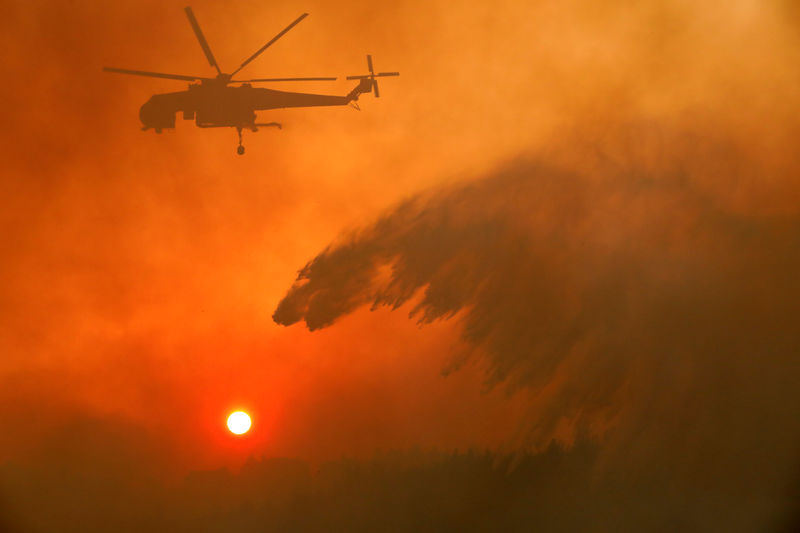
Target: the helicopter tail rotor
(371, 76)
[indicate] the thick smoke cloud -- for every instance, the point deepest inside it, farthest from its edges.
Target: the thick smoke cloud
(633, 299)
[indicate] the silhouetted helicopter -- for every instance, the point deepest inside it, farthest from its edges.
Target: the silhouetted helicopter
(214, 103)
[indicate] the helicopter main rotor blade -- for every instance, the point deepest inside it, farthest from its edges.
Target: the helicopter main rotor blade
(200, 37)
(281, 34)
(380, 75)
(285, 79)
(153, 74)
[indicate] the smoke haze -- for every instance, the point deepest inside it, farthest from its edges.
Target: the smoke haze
(591, 208)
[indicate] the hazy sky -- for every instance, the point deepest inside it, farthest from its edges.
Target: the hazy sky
(604, 195)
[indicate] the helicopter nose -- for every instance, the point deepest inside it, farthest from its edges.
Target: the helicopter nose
(154, 115)
(147, 115)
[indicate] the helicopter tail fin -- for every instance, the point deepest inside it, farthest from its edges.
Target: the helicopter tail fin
(364, 86)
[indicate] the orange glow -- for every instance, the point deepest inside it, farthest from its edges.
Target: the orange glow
(131, 260)
(239, 422)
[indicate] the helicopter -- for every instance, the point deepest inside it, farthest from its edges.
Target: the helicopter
(224, 102)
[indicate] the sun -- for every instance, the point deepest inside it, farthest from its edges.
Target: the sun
(239, 422)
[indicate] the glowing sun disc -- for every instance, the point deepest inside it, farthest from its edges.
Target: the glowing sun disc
(239, 422)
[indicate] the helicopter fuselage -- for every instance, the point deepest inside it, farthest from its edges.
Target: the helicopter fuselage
(220, 105)
(225, 102)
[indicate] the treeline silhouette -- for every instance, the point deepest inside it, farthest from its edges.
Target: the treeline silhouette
(559, 489)
(413, 491)
(399, 491)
